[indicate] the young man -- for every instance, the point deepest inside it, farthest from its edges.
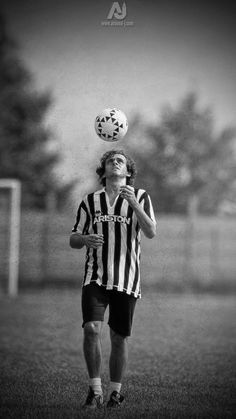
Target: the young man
(109, 224)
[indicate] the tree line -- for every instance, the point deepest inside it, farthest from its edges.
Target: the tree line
(181, 159)
(24, 139)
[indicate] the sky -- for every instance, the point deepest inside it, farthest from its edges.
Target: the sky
(166, 49)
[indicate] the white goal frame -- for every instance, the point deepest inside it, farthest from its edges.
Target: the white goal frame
(14, 187)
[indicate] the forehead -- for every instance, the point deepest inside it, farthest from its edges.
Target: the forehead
(117, 156)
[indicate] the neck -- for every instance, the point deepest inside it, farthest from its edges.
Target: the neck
(113, 186)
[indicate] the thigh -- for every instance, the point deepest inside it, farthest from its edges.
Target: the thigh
(94, 303)
(121, 312)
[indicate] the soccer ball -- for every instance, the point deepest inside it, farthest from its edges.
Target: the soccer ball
(111, 125)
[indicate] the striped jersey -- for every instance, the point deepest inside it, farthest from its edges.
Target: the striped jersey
(115, 264)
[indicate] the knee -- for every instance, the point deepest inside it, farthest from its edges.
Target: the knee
(118, 340)
(92, 330)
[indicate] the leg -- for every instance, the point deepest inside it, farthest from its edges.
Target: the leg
(93, 307)
(92, 348)
(93, 358)
(118, 362)
(120, 322)
(118, 357)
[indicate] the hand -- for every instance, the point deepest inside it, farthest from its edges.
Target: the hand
(94, 240)
(127, 192)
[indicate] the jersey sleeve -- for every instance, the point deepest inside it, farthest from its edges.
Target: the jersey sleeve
(145, 200)
(82, 220)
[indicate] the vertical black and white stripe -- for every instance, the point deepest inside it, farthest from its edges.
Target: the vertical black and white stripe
(116, 264)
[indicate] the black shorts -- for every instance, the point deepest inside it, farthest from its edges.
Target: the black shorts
(96, 298)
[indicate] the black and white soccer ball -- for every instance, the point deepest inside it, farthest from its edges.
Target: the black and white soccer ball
(111, 125)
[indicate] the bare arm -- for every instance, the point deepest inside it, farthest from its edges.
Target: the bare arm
(77, 240)
(148, 226)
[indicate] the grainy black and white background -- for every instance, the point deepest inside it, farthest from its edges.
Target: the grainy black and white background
(182, 351)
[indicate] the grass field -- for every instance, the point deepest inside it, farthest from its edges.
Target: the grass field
(182, 357)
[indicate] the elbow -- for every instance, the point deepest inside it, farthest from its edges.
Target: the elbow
(151, 233)
(72, 242)
(75, 241)
(152, 230)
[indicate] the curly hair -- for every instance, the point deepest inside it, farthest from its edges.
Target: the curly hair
(131, 166)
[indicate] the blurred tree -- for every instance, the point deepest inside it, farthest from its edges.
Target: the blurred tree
(24, 139)
(181, 159)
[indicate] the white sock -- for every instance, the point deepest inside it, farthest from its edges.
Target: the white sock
(96, 385)
(114, 387)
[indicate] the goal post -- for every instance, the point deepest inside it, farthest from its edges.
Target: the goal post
(10, 210)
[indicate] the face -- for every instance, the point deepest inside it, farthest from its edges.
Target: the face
(116, 166)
